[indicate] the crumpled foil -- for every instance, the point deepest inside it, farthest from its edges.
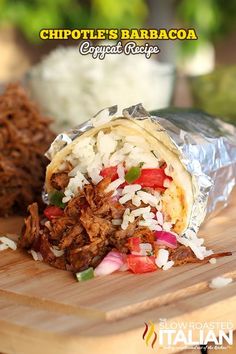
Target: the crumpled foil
(205, 146)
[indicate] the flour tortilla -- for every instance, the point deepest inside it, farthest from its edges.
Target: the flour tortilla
(156, 136)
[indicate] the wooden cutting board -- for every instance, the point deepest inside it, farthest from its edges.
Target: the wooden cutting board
(43, 309)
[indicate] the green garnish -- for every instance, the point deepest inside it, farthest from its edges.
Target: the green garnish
(133, 173)
(149, 253)
(55, 198)
(85, 274)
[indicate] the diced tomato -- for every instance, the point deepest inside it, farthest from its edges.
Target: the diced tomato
(110, 172)
(141, 264)
(152, 177)
(53, 211)
(134, 244)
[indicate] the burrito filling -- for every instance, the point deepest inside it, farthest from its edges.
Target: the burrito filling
(113, 204)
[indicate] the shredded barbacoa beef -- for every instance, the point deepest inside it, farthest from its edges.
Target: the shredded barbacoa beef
(31, 227)
(24, 138)
(86, 234)
(183, 255)
(59, 180)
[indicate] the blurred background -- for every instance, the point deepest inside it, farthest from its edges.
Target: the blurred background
(70, 87)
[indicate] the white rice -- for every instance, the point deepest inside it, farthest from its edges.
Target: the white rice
(116, 222)
(47, 224)
(190, 234)
(7, 243)
(91, 154)
(126, 219)
(136, 201)
(66, 199)
(212, 260)
(74, 185)
(140, 211)
(84, 150)
(54, 84)
(162, 257)
(117, 158)
(115, 184)
(167, 226)
(131, 189)
(125, 198)
(137, 155)
(94, 175)
(148, 198)
(147, 247)
(148, 216)
(168, 265)
(56, 251)
(121, 171)
(145, 250)
(128, 193)
(74, 171)
(106, 144)
(160, 218)
(36, 255)
(152, 225)
(219, 282)
(157, 228)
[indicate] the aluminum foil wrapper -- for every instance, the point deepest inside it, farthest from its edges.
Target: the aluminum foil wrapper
(205, 145)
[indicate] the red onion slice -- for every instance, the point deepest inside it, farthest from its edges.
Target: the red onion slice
(110, 263)
(166, 239)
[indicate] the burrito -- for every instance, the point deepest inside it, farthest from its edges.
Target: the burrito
(119, 198)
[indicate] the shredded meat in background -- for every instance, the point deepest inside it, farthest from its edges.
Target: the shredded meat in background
(24, 138)
(85, 232)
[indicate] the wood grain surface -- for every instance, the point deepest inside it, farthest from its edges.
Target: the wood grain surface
(43, 309)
